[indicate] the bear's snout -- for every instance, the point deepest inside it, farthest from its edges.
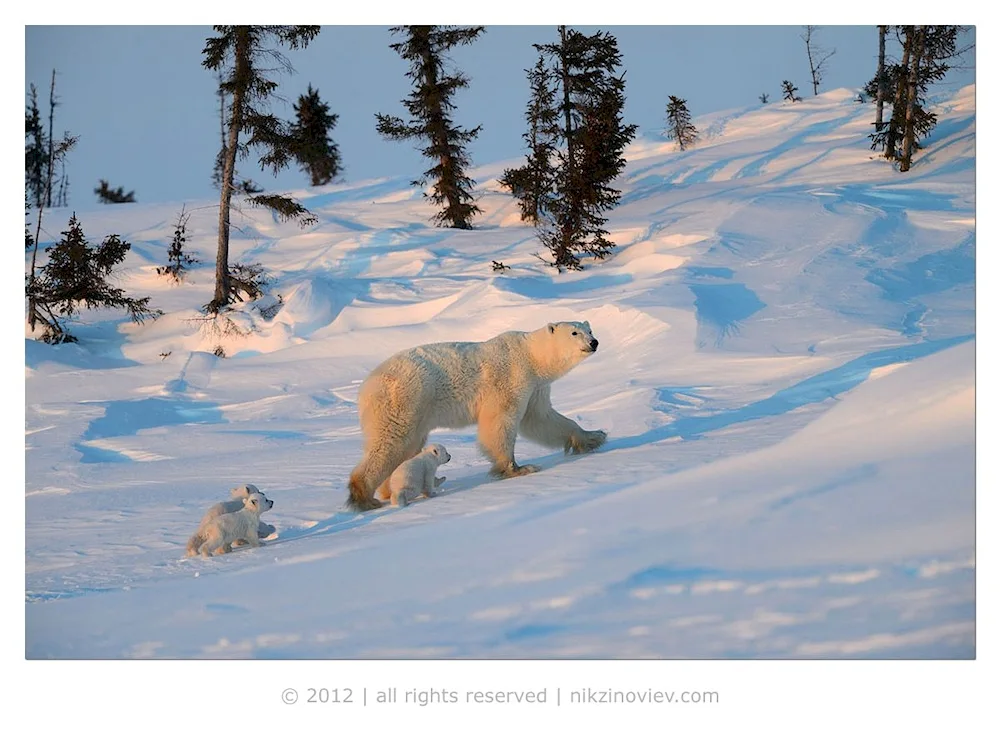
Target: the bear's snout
(593, 345)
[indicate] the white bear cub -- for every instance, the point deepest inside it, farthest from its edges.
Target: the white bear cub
(218, 533)
(221, 508)
(416, 476)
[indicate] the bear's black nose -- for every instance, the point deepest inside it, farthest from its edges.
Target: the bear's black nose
(593, 344)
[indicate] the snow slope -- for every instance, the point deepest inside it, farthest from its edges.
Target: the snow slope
(786, 374)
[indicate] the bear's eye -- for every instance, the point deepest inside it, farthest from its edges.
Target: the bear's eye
(574, 333)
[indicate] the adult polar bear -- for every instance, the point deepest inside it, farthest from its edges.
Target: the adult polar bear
(501, 384)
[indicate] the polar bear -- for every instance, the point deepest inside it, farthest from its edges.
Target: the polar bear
(416, 476)
(221, 508)
(501, 384)
(221, 531)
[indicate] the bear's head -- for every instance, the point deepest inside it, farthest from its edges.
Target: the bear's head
(439, 452)
(257, 502)
(563, 346)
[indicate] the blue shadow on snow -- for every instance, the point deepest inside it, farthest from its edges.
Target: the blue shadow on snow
(815, 389)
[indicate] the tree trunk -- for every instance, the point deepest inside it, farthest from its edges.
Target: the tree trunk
(812, 69)
(52, 154)
(899, 97)
(568, 226)
(917, 42)
(241, 72)
(880, 77)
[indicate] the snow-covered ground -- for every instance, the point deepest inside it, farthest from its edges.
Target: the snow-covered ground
(786, 375)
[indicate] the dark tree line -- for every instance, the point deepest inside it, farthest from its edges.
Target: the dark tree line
(576, 137)
(927, 52)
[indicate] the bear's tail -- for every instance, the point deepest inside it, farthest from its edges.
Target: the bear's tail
(194, 543)
(358, 497)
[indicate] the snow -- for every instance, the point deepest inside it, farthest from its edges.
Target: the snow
(786, 375)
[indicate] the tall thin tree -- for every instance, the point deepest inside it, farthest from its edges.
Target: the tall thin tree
(880, 79)
(236, 52)
(817, 55)
(430, 106)
(917, 35)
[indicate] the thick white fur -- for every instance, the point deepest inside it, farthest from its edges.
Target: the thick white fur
(223, 530)
(502, 385)
(222, 508)
(416, 476)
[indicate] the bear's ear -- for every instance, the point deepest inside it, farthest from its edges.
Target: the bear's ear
(552, 328)
(434, 450)
(587, 324)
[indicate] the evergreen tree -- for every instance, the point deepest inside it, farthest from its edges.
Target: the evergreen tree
(590, 97)
(532, 183)
(35, 151)
(789, 90)
(29, 241)
(430, 106)
(77, 276)
(880, 82)
(177, 258)
(927, 53)
(56, 155)
(316, 153)
(817, 55)
(236, 54)
(108, 195)
(763, 98)
(679, 125)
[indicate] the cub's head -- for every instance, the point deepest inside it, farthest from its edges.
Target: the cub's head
(257, 502)
(242, 491)
(439, 452)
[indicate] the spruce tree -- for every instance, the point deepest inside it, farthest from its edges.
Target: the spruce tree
(679, 125)
(108, 195)
(35, 151)
(789, 90)
(430, 106)
(927, 54)
(77, 276)
(532, 183)
(590, 97)
(237, 53)
(763, 98)
(177, 258)
(316, 154)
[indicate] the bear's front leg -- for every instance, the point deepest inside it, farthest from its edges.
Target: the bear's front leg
(253, 540)
(497, 433)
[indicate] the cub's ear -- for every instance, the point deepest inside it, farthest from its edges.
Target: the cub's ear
(552, 328)
(434, 450)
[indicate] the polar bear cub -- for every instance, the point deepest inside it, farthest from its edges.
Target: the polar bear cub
(416, 476)
(221, 508)
(221, 531)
